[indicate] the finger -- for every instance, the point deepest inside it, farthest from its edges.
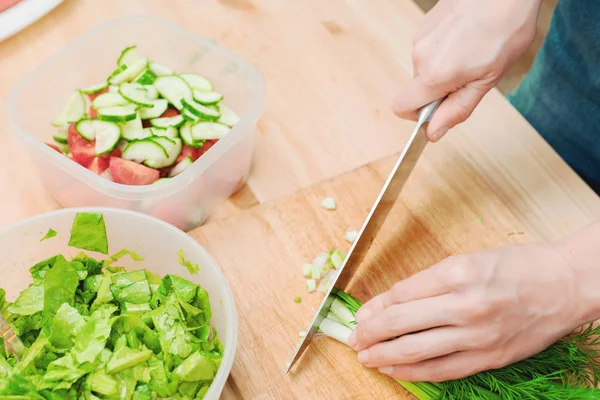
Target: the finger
(416, 95)
(455, 109)
(423, 284)
(416, 347)
(430, 22)
(453, 366)
(402, 319)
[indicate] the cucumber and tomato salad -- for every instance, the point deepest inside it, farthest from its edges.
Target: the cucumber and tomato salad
(144, 124)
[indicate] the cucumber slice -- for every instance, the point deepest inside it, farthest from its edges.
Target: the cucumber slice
(133, 129)
(207, 98)
(228, 117)
(135, 93)
(113, 89)
(181, 166)
(116, 72)
(73, 110)
(129, 73)
(145, 151)
(106, 134)
(128, 56)
(186, 135)
(95, 88)
(109, 100)
(158, 109)
(166, 122)
(146, 77)
(173, 148)
(118, 114)
(151, 92)
(169, 132)
(173, 89)
(160, 70)
(205, 130)
(188, 116)
(61, 135)
(107, 139)
(201, 111)
(198, 82)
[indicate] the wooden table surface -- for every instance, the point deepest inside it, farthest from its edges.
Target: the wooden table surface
(332, 68)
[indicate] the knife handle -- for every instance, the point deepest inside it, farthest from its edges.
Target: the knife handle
(426, 112)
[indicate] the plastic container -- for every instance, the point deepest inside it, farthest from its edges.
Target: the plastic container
(189, 198)
(157, 242)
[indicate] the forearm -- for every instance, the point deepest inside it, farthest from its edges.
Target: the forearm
(582, 252)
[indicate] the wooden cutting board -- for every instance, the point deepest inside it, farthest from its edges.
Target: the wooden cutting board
(446, 208)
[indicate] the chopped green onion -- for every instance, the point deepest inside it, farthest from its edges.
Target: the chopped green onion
(311, 285)
(306, 270)
(337, 258)
(298, 299)
(315, 272)
(328, 203)
(351, 235)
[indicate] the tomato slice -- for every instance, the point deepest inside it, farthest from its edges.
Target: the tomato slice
(82, 150)
(207, 145)
(131, 173)
(188, 151)
(6, 4)
(170, 112)
(93, 96)
(93, 113)
(55, 147)
(99, 165)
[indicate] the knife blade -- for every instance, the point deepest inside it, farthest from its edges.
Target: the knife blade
(377, 216)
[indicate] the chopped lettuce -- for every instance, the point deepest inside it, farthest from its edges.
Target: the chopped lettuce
(134, 256)
(50, 234)
(89, 233)
(192, 268)
(92, 330)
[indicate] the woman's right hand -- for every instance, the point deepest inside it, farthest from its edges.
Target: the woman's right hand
(461, 49)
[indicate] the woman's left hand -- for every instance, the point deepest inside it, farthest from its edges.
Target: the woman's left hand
(471, 313)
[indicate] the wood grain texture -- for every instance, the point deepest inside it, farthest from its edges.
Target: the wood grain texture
(332, 69)
(261, 252)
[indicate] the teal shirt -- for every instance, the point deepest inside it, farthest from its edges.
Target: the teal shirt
(560, 95)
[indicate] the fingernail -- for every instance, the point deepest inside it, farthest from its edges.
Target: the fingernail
(352, 340)
(386, 370)
(438, 134)
(363, 356)
(363, 313)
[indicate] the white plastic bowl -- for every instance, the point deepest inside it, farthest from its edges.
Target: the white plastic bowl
(184, 201)
(156, 241)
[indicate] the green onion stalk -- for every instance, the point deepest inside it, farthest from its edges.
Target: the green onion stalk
(567, 370)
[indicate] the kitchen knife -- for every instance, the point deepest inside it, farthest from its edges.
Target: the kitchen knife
(377, 216)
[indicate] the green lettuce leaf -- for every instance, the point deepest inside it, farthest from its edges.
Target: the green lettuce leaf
(60, 282)
(192, 268)
(91, 338)
(197, 367)
(29, 302)
(89, 233)
(134, 256)
(39, 270)
(50, 234)
(131, 287)
(65, 324)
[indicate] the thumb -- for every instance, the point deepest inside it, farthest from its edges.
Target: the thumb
(456, 108)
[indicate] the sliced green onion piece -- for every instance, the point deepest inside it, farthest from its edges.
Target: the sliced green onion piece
(328, 203)
(351, 235)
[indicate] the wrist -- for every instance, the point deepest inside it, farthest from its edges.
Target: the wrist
(581, 254)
